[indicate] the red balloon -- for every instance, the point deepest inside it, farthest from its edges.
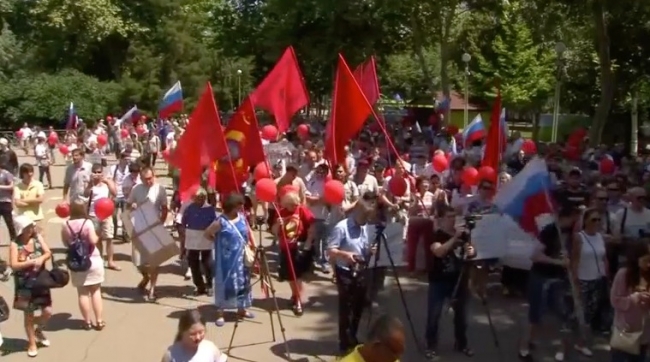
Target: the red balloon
(102, 140)
(104, 208)
(389, 172)
(470, 176)
(334, 192)
(270, 132)
(62, 210)
(303, 131)
(63, 149)
(287, 189)
(19, 133)
(53, 138)
(529, 147)
(397, 186)
(440, 163)
(124, 133)
(261, 171)
(139, 130)
(607, 166)
(266, 190)
(487, 173)
(452, 129)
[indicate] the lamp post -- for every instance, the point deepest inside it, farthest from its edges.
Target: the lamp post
(239, 85)
(560, 48)
(466, 58)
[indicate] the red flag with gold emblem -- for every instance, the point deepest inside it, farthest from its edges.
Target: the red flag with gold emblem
(243, 149)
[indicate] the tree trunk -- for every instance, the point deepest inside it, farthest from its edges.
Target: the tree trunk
(418, 48)
(445, 35)
(606, 73)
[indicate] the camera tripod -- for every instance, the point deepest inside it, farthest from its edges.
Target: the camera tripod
(380, 241)
(267, 281)
(481, 294)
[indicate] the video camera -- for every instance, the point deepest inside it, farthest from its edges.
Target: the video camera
(470, 224)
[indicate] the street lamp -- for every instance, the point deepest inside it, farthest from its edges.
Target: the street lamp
(466, 58)
(239, 85)
(560, 48)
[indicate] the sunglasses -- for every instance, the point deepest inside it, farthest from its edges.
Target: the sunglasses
(596, 219)
(602, 198)
(641, 198)
(613, 189)
(487, 188)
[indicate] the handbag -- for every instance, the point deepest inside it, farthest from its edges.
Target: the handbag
(628, 342)
(51, 279)
(4, 310)
(249, 253)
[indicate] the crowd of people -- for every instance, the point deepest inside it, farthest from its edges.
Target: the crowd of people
(597, 244)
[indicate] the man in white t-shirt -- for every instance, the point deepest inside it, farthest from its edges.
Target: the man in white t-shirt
(152, 191)
(315, 188)
(26, 134)
(42, 155)
(629, 223)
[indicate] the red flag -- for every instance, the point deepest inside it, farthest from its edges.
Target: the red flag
(366, 76)
(283, 92)
(350, 109)
(199, 145)
(243, 149)
(495, 142)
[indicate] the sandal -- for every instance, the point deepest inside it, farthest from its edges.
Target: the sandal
(465, 350)
(245, 314)
(297, 310)
(431, 355)
(152, 297)
(114, 267)
(100, 325)
(88, 326)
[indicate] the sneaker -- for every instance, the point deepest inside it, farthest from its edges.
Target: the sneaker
(583, 350)
(325, 268)
(188, 274)
(40, 337)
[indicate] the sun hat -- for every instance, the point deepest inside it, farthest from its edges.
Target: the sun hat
(22, 222)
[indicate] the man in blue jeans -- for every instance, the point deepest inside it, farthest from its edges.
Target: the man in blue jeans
(450, 247)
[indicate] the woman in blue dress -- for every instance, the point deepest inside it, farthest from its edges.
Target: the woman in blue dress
(231, 233)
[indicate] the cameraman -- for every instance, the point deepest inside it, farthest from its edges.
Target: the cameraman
(451, 246)
(349, 247)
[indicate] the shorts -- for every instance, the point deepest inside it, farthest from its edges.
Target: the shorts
(547, 295)
(104, 228)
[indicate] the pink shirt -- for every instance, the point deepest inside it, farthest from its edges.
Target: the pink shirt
(75, 226)
(629, 315)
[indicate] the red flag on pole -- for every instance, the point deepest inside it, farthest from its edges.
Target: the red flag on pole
(494, 143)
(242, 149)
(283, 92)
(350, 109)
(366, 76)
(199, 144)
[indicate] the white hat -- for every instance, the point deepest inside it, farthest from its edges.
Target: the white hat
(4, 142)
(41, 134)
(21, 222)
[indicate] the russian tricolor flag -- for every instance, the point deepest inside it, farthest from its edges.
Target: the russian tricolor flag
(130, 115)
(474, 131)
(172, 101)
(73, 120)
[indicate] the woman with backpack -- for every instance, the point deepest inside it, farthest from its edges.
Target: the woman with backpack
(89, 274)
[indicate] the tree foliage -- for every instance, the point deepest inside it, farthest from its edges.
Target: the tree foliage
(106, 55)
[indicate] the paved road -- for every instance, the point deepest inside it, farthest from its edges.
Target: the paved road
(140, 331)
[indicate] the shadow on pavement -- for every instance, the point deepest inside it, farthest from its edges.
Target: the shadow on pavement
(63, 321)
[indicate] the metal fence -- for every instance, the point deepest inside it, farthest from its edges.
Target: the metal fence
(13, 139)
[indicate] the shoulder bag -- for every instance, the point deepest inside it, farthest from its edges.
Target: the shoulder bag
(249, 253)
(50, 279)
(626, 341)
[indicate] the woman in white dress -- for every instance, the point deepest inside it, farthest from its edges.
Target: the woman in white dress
(88, 283)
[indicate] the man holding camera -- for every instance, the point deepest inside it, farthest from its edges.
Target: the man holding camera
(447, 281)
(349, 246)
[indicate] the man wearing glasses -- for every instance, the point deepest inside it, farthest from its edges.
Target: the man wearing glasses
(148, 190)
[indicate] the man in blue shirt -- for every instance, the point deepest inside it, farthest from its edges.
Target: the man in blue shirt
(350, 248)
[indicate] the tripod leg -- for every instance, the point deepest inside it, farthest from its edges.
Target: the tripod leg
(493, 330)
(401, 294)
(265, 271)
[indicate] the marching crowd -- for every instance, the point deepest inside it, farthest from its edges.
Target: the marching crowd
(599, 242)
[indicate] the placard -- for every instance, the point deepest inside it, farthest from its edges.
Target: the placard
(521, 246)
(394, 233)
(489, 237)
(278, 151)
(149, 235)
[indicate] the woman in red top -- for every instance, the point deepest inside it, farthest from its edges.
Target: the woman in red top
(294, 229)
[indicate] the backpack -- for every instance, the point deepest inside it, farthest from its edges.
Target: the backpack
(79, 251)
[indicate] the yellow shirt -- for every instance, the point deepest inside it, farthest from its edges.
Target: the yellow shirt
(23, 192)
(354, 356)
